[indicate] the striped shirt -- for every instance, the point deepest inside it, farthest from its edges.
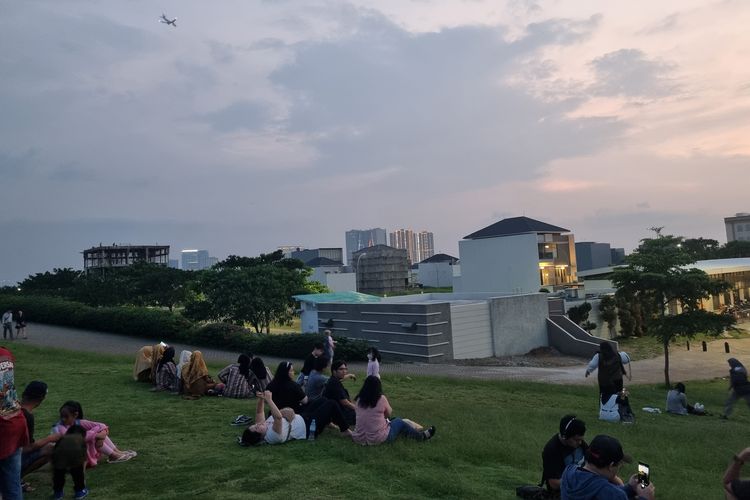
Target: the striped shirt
(236, 383)
(166, 377)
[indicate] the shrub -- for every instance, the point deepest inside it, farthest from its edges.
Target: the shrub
(166, 325)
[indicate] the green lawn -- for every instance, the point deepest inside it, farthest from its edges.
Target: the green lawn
(489, 438)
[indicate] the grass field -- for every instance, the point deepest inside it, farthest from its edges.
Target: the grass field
(489, 438)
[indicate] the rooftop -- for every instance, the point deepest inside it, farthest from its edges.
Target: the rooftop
(337, 297)
(515, 225)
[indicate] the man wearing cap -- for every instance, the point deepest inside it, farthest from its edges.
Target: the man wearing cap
(593, 481)
(564, 448)
(36, 453)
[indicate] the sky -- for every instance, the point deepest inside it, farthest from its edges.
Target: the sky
(256, 124)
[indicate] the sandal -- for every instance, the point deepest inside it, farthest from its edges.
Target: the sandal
(123, 458)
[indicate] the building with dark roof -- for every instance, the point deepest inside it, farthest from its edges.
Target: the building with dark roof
(517, 255)
(436, 271)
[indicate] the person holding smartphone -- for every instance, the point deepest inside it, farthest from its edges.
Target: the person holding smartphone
(594, 480)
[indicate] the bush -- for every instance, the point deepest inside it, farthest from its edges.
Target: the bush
(289, 345)
(169, 326)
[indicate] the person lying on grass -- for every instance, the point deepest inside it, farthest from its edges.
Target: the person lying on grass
(98, 442)
(285, 425)
(373, 411)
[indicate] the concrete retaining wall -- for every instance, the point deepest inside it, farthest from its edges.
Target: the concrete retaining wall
(471, 330)
(518, 323)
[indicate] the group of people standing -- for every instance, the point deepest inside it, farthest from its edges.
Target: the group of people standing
(73, 445)
(7, 320)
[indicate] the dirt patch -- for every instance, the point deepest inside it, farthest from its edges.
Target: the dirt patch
(541, 357)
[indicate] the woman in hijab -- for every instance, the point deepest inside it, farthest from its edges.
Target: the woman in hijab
(196, 381)
(156, 353)
(166, 372)
(142, 367)
(184, 360)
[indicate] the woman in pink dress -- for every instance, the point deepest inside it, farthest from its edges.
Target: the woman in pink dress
(98, 442)
(373, 413)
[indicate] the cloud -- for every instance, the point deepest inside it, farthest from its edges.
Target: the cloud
(628, 73)
(433, 102)
(664, 25)
(240, 115)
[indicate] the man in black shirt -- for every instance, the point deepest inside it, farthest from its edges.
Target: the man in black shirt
(563, 449)
(37, 453)
(309, 363)
(336, 391)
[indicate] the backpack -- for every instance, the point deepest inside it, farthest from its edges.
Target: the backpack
(532, 492)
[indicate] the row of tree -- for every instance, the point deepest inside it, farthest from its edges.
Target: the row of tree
(240, 290)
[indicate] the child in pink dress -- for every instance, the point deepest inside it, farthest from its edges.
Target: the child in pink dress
(98, 442)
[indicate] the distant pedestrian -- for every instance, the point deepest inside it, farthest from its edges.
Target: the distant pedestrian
(21, 325)
(329, 345)
(611, 366)
(739, 387)
(373, 362)
(8, 324)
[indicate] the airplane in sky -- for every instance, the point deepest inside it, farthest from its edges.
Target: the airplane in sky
(165, 20)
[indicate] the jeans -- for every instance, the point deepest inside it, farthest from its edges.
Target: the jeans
(733, 397)
(8, 327)
(10, 476)
(399, 427)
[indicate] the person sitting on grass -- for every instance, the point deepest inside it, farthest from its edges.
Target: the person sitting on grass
(734, 487)
(317, 380)
(309, 364)
(286, 392)
(37, 452)
(236, 378)
(335, 390)
(98, 442)
(142, 366)
(596, 479)
(564, 448)
(285, 425)
(166, 373)
(373, 414)
(196, 381)
(182, 363)
(157, 352)
(69, 455)
(677, 402)
(262, 376)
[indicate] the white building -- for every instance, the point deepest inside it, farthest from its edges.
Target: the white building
(738, 227)
(515, 256)
(436, 271)
(195, 260)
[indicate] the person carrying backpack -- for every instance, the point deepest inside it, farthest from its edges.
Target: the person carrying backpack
(739, 387)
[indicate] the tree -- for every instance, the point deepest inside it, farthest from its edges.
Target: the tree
(579, 314)
(657, 275)
(701, 248)
(155, 285)
(58, 283)
(734, 250)
(608, 310)
(254, 290)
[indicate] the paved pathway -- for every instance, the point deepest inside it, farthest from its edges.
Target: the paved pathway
(685, 365)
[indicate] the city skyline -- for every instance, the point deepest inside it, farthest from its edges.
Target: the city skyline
(259, 123)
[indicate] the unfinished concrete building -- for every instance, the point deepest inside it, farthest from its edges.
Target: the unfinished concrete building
(101, 258)
(381, 269)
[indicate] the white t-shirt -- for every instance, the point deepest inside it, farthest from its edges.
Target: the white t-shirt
(299, 431)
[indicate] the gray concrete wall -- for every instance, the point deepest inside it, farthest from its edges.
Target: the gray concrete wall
(472, 330)
(569, 338)
(519, 323)
(405, 332)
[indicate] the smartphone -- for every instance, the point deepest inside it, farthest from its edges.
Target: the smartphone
(643, 474)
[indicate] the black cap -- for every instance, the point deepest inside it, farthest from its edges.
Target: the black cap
(604, 450)
(35, 391)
